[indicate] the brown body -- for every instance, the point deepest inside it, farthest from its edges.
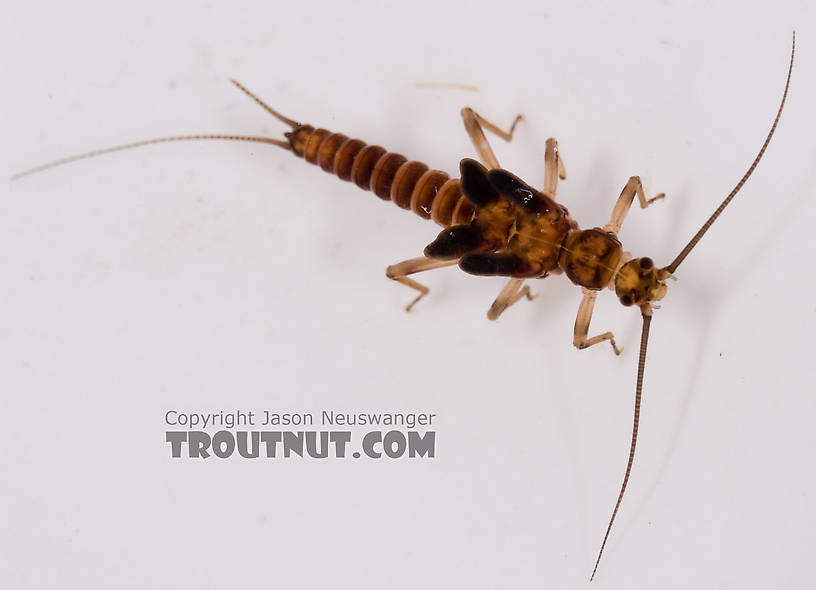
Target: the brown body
(540, 239)
(431, 194)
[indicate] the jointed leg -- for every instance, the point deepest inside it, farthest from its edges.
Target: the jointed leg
(475, 125)
(512, 292)
(400, 271)
(580, 339)
(553, 167)
(632, 188)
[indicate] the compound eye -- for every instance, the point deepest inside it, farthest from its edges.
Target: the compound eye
(626, 300)
(646, 263)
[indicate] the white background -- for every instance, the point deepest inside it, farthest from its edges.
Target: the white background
(209, 276)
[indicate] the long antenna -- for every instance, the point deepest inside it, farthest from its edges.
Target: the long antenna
(278, 142)
(685, 251)
(644, 341)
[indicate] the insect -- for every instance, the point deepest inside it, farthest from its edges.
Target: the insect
(495, 224)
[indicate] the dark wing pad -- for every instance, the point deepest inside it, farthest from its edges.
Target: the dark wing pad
(520, 193)
(453, 242)
(475, 185)
(499, 264)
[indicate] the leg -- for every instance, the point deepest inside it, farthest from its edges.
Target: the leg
(400, 271)
(512, 292)
(632, 188)
(553, 167)
(582, 324)
(475, 125)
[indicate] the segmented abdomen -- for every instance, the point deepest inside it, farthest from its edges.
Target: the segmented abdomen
(431, 194)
